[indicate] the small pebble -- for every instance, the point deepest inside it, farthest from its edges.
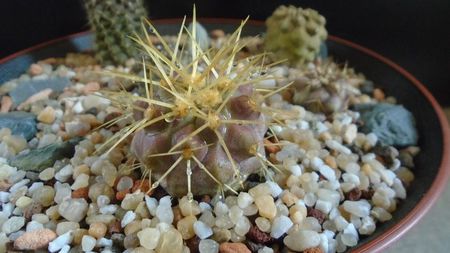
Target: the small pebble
(35, 239)
(202, 230)
(208, 246)
(97, 230)
(47, 115)
(88, 243)
(60, 242)
(13, 224)
(149, 238)
(128, 218)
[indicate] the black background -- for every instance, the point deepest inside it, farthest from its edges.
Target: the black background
(413, 33)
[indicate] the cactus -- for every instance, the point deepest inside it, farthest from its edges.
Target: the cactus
(325, 87)
(199, 125)
(112, 22)
(295, 34)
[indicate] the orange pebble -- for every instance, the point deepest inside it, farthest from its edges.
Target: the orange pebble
(121, 195)
(143, 185)
(271, 147)
(81, 193)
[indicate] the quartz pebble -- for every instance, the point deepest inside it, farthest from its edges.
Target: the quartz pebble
(88, 243)
(280, 226)
(60, 242)
(13, 224)
(359, 208)
(186, 227)
(301, 240)
(34, 225)
(128, 218)
(47, 174)
(202, 230)
(73, 209)
(66, 226)
(149, 238)
(266, 206)
(170, 241)
(47, 115)
(208, 246)
(97, 230)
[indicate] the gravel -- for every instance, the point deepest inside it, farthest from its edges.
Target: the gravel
(334, 189)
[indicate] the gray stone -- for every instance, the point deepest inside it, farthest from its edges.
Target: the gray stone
(42, 158)
(20, 123)
(392, 124)
(27, 88)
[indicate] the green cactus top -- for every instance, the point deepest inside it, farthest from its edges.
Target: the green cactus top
(112, 21)
(295, 34)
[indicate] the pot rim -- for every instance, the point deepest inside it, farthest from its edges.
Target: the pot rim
(393, 233)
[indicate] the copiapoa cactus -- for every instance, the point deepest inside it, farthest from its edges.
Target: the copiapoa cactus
(295, 34)
(199, 125)
(112, 21)
(325, 87)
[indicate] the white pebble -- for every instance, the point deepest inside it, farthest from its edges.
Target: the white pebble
(18, 185)
(164, 213)
(34, 225)
(367, 226)
(65, 249)
(128, 218)
(103, 242)
(327, 172)
(4, 197)
(151, 204)
(295, 169)
(360, 208)
(323, 206)
(204, 206)
(242, 226)
(202, 230)
(275, 188)
(338, 147)
(13, 224)
(302, 239)
(208, 246)
(265, 249)
(244, 200)
(34, 187)
(64, 174)
(88, 243)
(350, 236)
(280, 225)
(60, 242)
(108, 209)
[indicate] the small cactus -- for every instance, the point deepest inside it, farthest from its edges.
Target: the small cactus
(325, 87)
(112, 21)
(295, 34)
(199, 125)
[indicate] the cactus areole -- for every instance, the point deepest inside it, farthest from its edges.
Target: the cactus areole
(200, 125)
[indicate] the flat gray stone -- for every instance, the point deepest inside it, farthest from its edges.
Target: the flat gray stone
(20, 123)
(27, 88)
(42, 158)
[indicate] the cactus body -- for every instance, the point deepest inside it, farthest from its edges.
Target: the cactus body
(112, 21)
(325, 88)
(295, 34)
(199, 127)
